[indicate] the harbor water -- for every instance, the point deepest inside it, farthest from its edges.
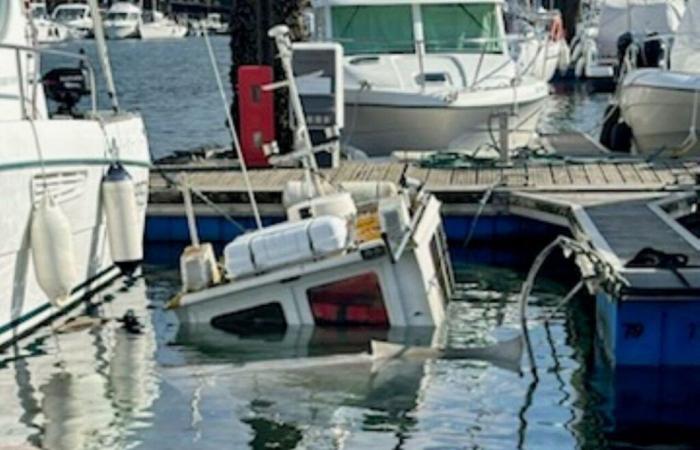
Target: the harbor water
(99, 385)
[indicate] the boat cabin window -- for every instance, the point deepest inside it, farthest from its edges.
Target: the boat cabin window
(352, 301)
(373, 29)
(122, 16)
(66, 14)
(462, 28)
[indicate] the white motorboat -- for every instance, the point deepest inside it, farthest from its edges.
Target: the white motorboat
(76, 16)
(429, 75)
(156, 26)
(662, 106)
(122, 21)
(47, 30)
(595, 52)
(64, 225)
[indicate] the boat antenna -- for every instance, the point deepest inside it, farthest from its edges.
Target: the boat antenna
(102, 53)
(302, 138)
(232, 129)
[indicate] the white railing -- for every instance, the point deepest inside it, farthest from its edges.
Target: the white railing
(31, 99)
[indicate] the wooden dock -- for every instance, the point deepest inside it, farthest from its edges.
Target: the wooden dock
(615, 207)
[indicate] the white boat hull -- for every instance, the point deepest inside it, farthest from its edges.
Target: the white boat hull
(159, 30)
(412, 291)
(121, 31)
(72, 170)
(658, 106)
(381, 128)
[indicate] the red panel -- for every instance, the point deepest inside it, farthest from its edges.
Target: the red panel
(356, 300)
(257, 113)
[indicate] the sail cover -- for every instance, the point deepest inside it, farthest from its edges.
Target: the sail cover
(685, 55)
(639, 17)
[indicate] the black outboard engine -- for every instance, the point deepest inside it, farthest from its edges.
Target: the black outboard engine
(651, 53)
(66, 86)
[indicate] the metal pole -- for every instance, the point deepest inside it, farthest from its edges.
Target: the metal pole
(234, 133)
(102, 52)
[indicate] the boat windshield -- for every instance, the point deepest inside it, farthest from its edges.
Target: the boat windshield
(373, 29)
(65, 14)
(122, 16)
(462, 28)
(39, 11)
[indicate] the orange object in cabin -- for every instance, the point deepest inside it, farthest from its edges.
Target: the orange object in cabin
(256, 109)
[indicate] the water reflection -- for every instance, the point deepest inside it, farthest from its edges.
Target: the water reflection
(198, 387)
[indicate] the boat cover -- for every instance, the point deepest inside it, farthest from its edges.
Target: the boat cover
(685, 55)
(637, 16)
(285, 243)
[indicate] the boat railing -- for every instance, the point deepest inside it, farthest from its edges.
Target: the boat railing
(31, 98)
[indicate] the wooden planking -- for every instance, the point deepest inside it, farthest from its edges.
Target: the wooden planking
(598, 176)
(560, 175)
(611, 174)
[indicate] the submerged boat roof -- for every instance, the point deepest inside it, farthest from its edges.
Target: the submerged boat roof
(322, 3)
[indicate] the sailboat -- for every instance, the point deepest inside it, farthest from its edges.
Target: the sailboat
(74, 182)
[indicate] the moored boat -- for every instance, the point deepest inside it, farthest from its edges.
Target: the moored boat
(122, 21)
(662, 107)
(429, 75)
(61, 236)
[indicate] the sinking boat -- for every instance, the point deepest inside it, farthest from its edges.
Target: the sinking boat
(335, 261)
(427, 76)
(366, 254)
(660, 108)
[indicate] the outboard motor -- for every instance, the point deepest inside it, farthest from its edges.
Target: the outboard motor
(653, 52)
(623, 43)
(67, 86)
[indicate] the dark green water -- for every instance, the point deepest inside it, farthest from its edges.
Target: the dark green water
(174, 388)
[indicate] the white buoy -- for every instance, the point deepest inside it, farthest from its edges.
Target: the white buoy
(52, 251)
(123, 225)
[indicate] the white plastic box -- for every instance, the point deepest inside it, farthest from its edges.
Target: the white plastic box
(285, 243)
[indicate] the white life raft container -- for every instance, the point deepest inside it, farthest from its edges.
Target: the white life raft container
(285, 243)
(52, 251)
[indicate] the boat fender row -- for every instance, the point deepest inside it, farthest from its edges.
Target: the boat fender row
(51, 237)
(52, 251)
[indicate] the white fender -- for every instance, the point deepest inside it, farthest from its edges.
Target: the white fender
(52, 251)
(564, 57)
(123, 225)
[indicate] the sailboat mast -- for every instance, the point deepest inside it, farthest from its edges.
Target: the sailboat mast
(102, 53)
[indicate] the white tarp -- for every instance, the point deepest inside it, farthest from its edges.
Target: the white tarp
(640, 17)
(685, 55)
